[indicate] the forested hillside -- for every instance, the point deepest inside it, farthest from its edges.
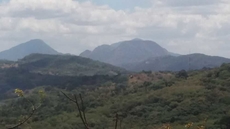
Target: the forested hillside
(172, 63)
(69, 65)
(146, 100)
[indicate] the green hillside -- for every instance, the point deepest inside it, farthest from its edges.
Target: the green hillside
(56, 70)
(142, 100)
(63, 65)
(177, 63)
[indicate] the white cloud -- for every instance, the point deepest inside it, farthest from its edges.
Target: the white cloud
(71, 26)
(185, 3)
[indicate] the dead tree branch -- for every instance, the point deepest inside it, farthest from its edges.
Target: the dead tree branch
(81, 111)
(34, 109)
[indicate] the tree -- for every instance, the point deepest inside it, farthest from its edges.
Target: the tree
(81, 110)
(182, 74)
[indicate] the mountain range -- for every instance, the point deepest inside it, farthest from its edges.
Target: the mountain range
(138, 55)
(132, 55)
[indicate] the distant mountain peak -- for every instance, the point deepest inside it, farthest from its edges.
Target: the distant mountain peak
(27, 48)
(35, 42)
(126, 52)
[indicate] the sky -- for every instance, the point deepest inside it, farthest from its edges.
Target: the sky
(72, 26)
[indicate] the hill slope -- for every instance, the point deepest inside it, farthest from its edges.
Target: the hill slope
(66, 65)
(126, 52)
(186, 62)
(143, 101)
(24, 49)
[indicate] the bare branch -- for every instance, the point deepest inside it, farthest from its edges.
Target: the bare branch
(83, 109)
(25, 120)
(83, 118)
(80, 112)
(68, 97)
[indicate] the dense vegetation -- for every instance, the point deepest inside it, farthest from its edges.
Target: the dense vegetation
(21, 78)
(66, 65)
(143, 101)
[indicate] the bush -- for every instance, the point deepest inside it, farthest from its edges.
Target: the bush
(182, 74)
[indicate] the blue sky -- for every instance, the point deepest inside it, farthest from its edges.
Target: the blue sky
(122, 4)
(118, 4)
(3, 0)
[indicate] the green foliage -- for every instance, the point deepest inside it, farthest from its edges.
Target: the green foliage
(146, 103)
(182, 74)
(21, 78)
(64, 65)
